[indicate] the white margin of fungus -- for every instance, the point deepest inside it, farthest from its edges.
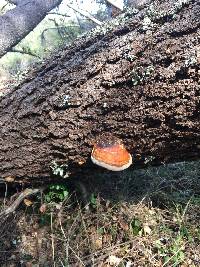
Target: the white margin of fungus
(112, 167)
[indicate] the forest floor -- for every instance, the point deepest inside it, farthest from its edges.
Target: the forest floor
(137, 218)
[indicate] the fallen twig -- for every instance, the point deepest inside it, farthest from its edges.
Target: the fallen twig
(16, 203)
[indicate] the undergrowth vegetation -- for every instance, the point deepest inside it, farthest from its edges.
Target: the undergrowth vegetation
(135, 218)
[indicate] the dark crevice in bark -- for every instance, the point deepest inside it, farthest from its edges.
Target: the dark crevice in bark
(188, 31)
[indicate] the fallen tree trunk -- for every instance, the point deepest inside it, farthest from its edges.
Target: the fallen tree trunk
(139, 81)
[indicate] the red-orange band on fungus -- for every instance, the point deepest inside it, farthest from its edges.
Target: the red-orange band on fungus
(114, 155)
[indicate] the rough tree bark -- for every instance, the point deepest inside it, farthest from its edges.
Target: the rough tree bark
(18, 22)
(139, 81)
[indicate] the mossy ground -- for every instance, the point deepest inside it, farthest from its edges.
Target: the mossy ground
(138, 218)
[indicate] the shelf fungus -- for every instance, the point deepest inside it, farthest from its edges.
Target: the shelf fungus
(110, 153)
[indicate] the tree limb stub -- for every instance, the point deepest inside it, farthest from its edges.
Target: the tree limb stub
(113, 3)
(18, 22)
(139, 82)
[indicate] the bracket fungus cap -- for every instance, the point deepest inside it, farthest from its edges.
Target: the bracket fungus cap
(110, 153)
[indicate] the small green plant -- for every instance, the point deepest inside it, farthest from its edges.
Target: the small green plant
(56, 193)
(113, 231)
(60, 170)
(195, 200)
(136, 226)
(172, 254)
(101, 230)
(93, 200)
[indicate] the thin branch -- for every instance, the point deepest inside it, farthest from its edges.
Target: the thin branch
(85, 14)
(52, 240)
(16, 203)
(59, 14)
(3, 7)
(59, 29)
(43, 39)
(14, 50)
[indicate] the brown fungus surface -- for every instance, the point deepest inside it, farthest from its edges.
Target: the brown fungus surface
(110, 153)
